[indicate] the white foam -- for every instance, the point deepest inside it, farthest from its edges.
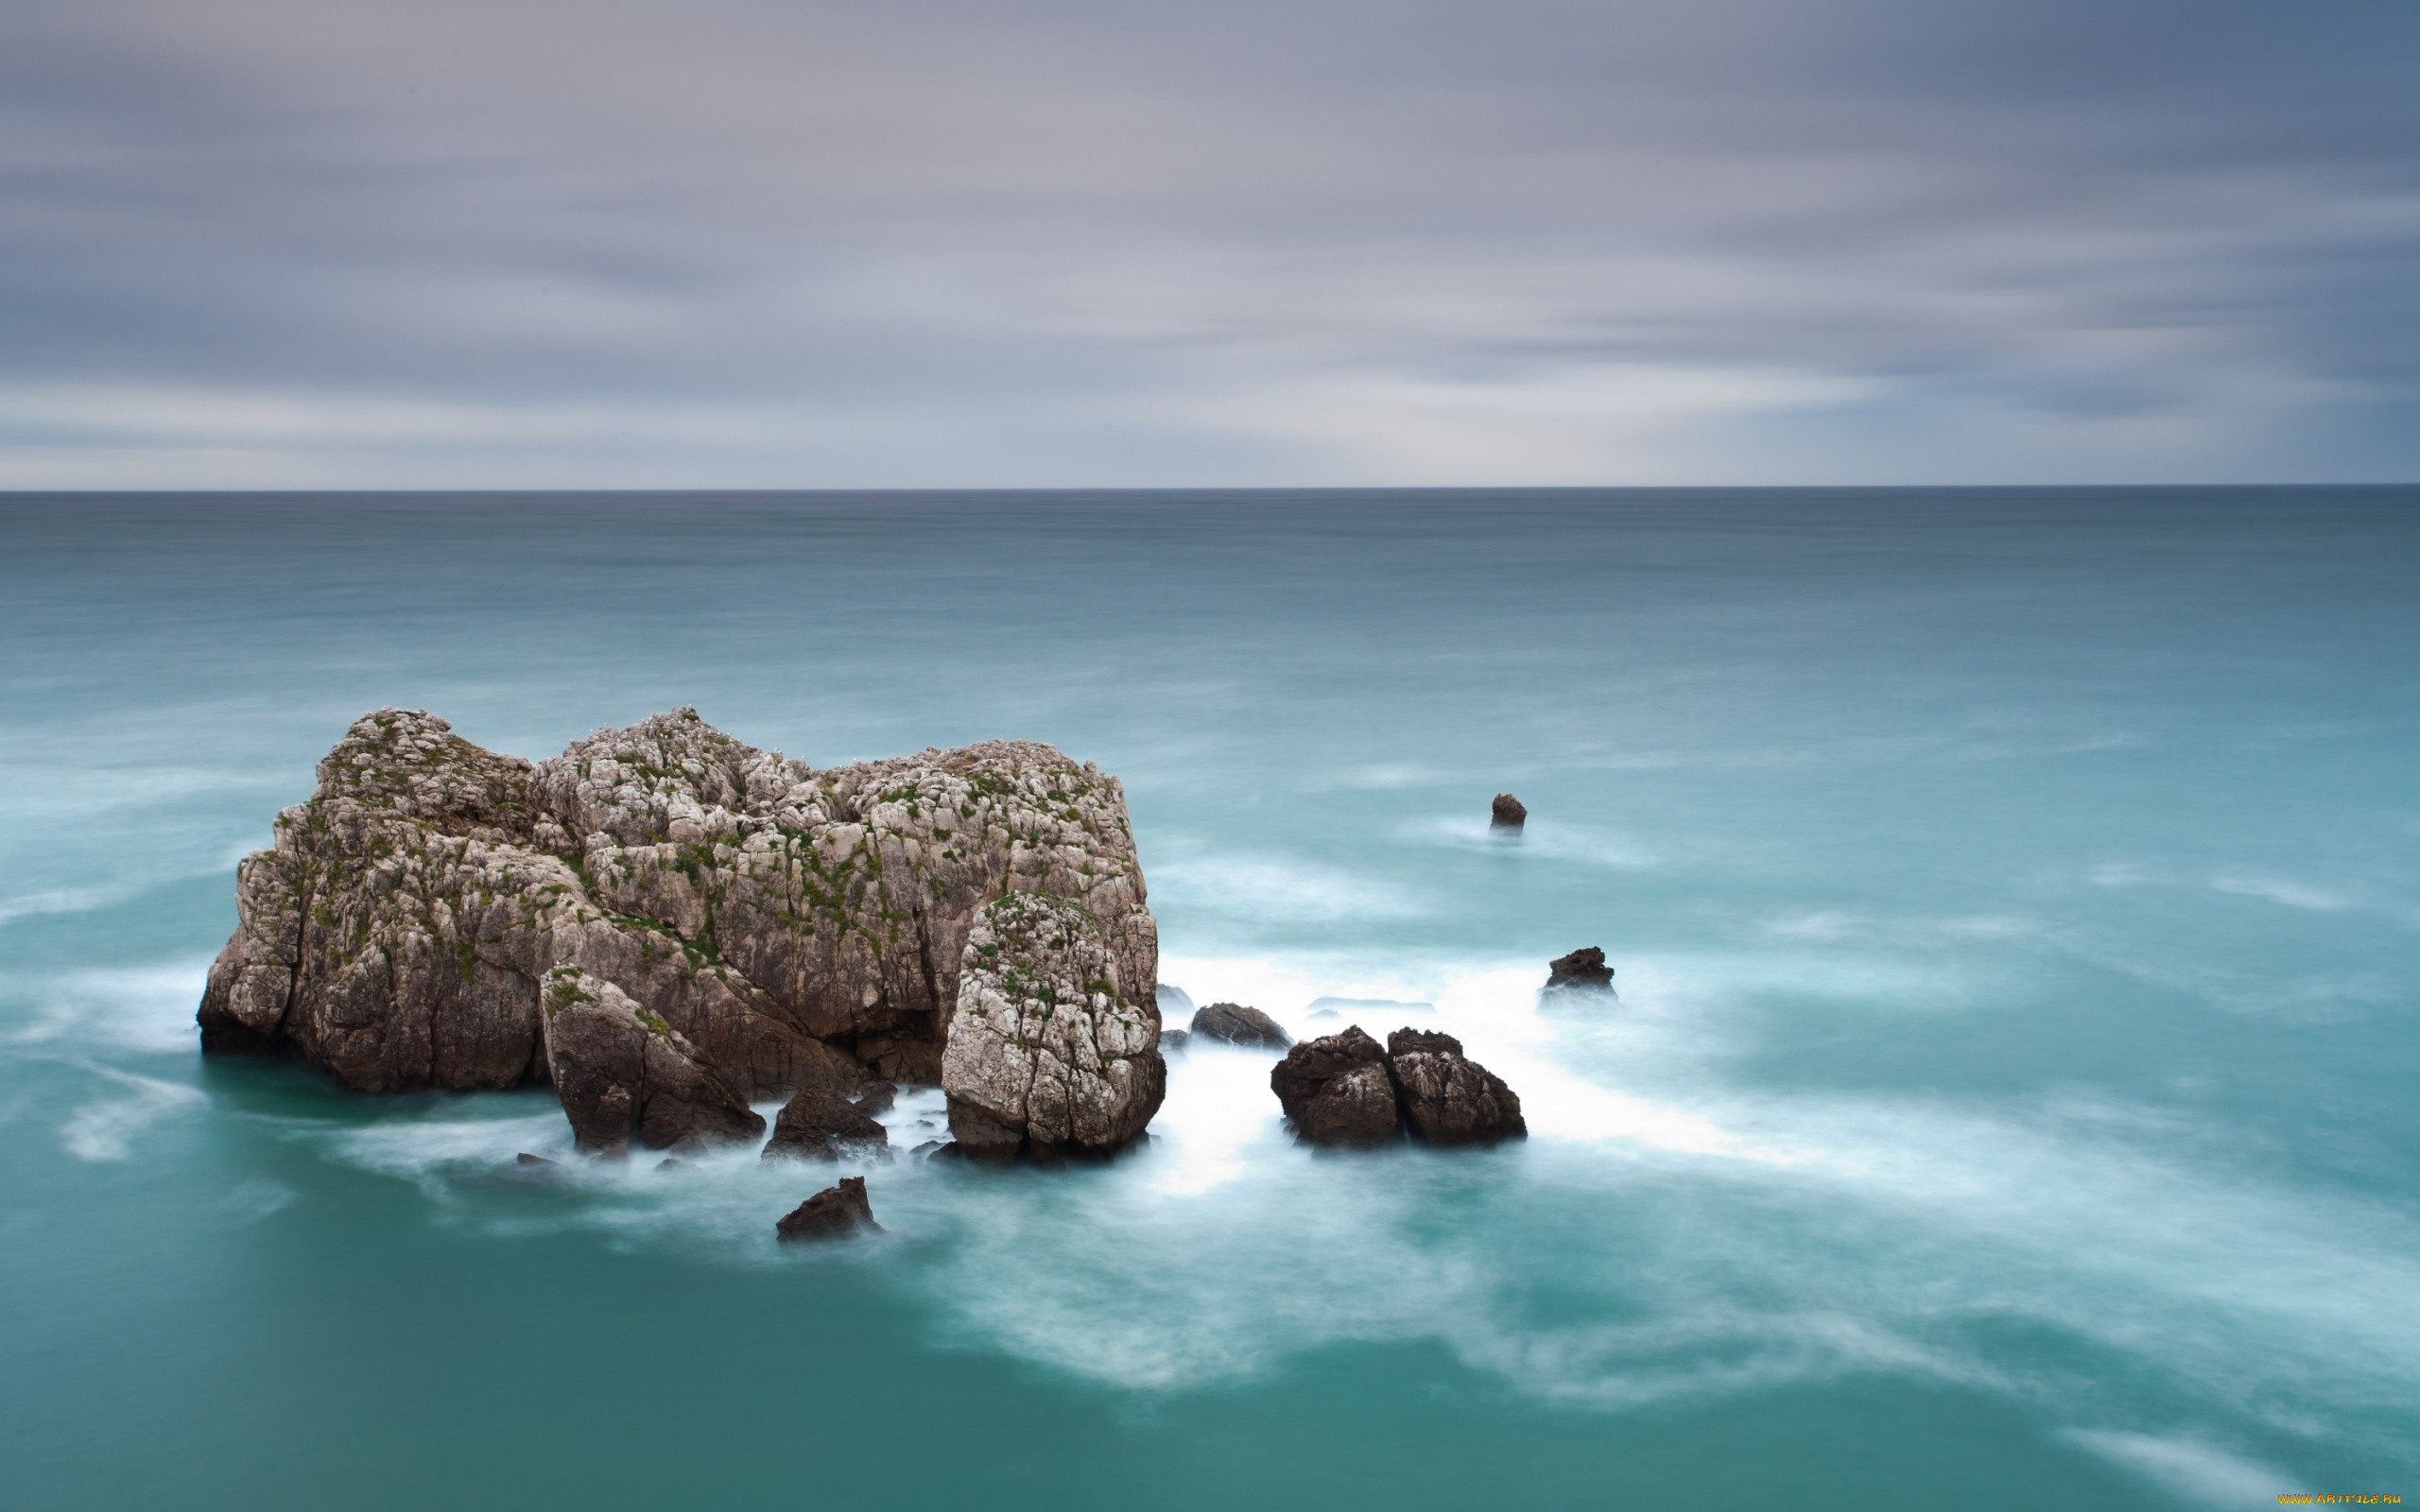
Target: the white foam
(1281, 888)
(143, 1008)
(106, 1129)
(2198, 1471)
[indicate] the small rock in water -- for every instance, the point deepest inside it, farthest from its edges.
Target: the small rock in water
(835, 1212)
(672, 1162)
(1448, 1098)
(1241, 1025)
(1174, 1002)
(1583, 969)
(1174, 1040)
(1506, 813)
(879, 1098)
(528, 1159)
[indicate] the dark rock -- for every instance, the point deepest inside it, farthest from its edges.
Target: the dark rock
(1357, 1109)
(835, 1212)
(528, 1159)
(879, 1098)
(624, 1073)
(1174, 1040)
(819, 1125)
(1505, 813)
(672, 1162)
(1336, 1090)
(1449, 1099)
(1416, 1042)
(1583, 969)
(929, 1149)
(1241, 1025)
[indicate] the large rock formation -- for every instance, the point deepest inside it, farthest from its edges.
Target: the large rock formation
(1345, 1090)
(1240, 1025)
(1054, 1048)
(792, 927)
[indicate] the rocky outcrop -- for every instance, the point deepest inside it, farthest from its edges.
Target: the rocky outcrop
(1241, 1025)
(1505, 813)
(1583, 970)
(793, 927)
(1345, 1090)
(624, 1073)
(818, 1124)
(1337, 1090)
(835, 1212)
(1446, 1098)
(1049, 1052)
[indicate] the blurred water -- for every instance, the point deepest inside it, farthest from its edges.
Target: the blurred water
(2016, 897)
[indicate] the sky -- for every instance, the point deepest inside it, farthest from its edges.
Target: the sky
(1072, 243)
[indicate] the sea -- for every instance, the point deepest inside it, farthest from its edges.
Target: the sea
(2010, 1097)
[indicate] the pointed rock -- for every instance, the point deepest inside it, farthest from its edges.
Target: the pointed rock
(835, 1212)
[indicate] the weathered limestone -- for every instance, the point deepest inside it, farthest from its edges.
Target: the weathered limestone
(795, 928)
(1337, 1090)
(1051, 1051)
(1446, 1098)
(623, 1072)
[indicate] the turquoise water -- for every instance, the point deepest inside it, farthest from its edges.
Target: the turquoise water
(2010, 1104)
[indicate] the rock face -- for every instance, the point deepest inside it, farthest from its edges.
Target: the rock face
(1049, 1052)
(835, 1212)
(1447, 1099)
(1505, 813)
(623, 1072)
(1583, 969)
(1344, 1089)
(819, 1125)
(1241, 1025)
(792, 927)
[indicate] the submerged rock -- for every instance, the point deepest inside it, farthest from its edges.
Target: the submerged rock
(879, 1098)
(1583, 969)
(1505, 813)
(1174, 1040)
(835, 1212)
(792, 927)
(817, 1124)
(1048, 1053)
(524, 1157)
(1241, 1025)
(624, 1073)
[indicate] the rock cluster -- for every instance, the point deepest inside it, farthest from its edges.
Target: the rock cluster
(1505, 813)
(1346, 1089)
(719, 922)
(835, 1212)
(1583, 969)
(1240, 1025)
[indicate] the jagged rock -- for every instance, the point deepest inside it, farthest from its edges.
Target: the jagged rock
(1047, 1054)
(1505, 813)
(835, 1212)
(1174, 1040)
(1241, 1025)
(1414, 1041)
(1447, 1098)
(1583, 969)
(1336, 1090)
(527, 1158)
(623, 1072)
(818, 1124)
(879, 1098)
(796, 928)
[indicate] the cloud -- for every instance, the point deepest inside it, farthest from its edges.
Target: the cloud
(936, 243)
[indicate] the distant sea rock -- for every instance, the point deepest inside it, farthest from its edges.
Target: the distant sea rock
(1346, 1089)
(1505, 813)
(1583, 970)
(1240, 1025)
(787, 927)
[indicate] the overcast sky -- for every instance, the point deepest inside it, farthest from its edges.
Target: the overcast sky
(439, 243)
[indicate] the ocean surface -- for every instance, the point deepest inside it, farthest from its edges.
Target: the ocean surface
(2012, 1099)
